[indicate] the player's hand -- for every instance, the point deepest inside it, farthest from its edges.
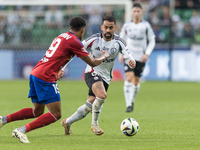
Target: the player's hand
(144, 58)
(132, 63)
(105, 53)
(121, 59)
(60, 74)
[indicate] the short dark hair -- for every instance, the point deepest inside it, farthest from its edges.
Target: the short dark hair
(77, 23)
(138, 5)
(109, 18)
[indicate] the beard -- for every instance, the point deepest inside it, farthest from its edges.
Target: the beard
(108, 35)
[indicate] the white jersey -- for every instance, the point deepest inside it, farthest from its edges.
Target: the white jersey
(137, 37)
(96, 43)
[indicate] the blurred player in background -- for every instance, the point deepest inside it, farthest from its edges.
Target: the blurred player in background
(43, 88)
(98, 78)
(140, 40)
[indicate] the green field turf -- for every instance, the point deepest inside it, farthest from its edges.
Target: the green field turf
(168, 114)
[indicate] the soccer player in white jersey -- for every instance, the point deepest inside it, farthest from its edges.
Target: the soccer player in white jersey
(98, 78)
(140, 40)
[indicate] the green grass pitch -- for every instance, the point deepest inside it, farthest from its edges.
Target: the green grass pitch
(168, 114)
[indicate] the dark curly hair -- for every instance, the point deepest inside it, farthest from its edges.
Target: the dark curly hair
(77, 23)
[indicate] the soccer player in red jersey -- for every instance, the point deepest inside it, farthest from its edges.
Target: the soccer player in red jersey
(43, 88)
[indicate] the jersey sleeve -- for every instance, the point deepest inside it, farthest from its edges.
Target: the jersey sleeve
(89, 41)
(150, 32)
(127, 55)
(78, 48)
(151, 39)
(125, 51)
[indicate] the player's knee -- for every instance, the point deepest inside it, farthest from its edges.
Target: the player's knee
(129, 79)
(102, 96)
(58, 116)
(38, 113)
(136, 82)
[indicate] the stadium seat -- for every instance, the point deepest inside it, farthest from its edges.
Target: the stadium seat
(166, 33)
(185, 41)
(186, 14)
(177, 12)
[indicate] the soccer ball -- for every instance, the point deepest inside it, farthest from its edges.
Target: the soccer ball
(129, 126)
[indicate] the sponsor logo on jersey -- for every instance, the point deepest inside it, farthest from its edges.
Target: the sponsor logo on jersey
(105, 48)
(97, 48)
(108, 60)
(136, 38)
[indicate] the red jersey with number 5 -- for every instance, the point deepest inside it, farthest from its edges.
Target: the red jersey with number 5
(61, 51)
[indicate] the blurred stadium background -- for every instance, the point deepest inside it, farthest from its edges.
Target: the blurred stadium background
(27, 28)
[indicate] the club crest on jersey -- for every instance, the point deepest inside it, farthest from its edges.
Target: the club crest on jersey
(113, 50)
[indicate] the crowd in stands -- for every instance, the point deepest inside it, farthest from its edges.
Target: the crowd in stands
(182, 22)
(187, 4)
(38, 24)
(187, 16)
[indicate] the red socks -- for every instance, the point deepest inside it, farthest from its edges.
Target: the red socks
(25, 113)
(41, 121)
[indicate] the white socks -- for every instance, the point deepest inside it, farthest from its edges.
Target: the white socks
(130, 92)
(96, 110)
(136, 89)
(81, 112)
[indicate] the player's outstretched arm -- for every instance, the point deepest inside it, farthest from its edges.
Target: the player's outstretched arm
(95, 61)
